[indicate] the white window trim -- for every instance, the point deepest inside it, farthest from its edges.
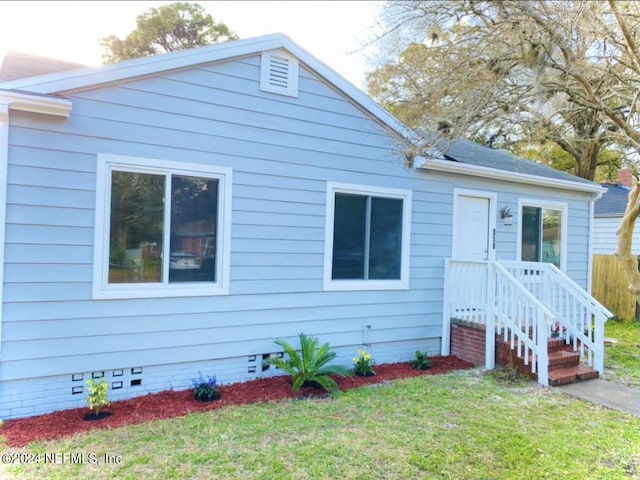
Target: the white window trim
(101, 288)
(344, 285)
(552, 205)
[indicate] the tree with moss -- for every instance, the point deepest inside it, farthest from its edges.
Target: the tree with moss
(169, 28)
(561, 71)
(510, 72)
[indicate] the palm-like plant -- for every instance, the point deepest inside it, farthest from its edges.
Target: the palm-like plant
(310, 365)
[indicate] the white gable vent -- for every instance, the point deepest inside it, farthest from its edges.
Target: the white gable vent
(279, 73)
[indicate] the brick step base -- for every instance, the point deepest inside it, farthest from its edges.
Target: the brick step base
(564, 376)
(564, 366)
(468, 342)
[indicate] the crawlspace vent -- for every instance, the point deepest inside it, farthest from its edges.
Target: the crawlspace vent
(118, 379)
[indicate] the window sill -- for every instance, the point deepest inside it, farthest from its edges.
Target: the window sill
(364, 285)
(129, 291)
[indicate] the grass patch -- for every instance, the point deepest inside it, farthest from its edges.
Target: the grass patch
(462, 425)
(622, 360)
(508, 377)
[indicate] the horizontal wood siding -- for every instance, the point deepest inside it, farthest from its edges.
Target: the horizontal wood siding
(605, 239)
(282, 151)
(509, 193)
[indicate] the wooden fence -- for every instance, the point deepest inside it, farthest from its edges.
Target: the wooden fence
(610, 286)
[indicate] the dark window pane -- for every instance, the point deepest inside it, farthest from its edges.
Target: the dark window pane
(385, 245)
(194, 212)
(531, 234)
(349, 233)
(137, 215)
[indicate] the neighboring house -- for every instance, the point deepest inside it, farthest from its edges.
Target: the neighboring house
(15, 65)
(609, 210)
(609, 282)
(178, 213)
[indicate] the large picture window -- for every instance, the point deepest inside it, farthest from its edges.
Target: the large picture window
(542, 234)
(367, 240)
(161, 229)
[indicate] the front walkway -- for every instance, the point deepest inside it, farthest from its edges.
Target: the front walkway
(616, 396)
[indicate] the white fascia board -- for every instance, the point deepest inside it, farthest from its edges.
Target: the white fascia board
(448, 166)
(140, 67)
(353, 92)
(35, 103)
(88, 77)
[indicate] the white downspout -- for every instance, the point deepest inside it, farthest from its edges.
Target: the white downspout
(592, 202)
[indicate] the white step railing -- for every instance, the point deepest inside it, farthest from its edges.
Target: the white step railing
(465, 298)
(523, 321)
(483, 292)
(466, 285)
(580, 318)
(527, 303)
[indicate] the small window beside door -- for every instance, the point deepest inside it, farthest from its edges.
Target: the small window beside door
(542, 234)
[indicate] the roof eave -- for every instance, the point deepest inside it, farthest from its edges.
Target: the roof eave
(27, 102)
(78, 79)
(448, 166)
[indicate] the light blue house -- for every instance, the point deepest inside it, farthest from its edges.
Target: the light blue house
(178, 213)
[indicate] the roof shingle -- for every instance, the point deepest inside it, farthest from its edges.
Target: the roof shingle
(16, 65)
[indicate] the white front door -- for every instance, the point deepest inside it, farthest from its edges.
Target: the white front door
(472, 229)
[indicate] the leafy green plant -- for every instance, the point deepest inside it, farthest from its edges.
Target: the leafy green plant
(97, 398)
(310, 365)
(364, 364)
(205, 389)
(422, 361)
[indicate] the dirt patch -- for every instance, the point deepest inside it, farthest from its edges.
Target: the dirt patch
(171, 403)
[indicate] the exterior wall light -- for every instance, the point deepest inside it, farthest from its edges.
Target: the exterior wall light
(506, 216)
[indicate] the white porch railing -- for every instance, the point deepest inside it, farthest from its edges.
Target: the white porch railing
(526, 302)
(522, 321)
(580, 318)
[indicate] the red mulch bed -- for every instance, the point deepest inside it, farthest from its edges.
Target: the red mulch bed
(171, 403)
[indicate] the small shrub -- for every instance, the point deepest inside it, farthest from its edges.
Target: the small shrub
(205, 389)
(309, 367)
(97, 398)
(422, 361)
(364, 364)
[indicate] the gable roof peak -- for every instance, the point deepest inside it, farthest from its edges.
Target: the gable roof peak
(66, 82)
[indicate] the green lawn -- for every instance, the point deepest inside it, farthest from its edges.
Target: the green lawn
(464, 425)
(622, 360)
